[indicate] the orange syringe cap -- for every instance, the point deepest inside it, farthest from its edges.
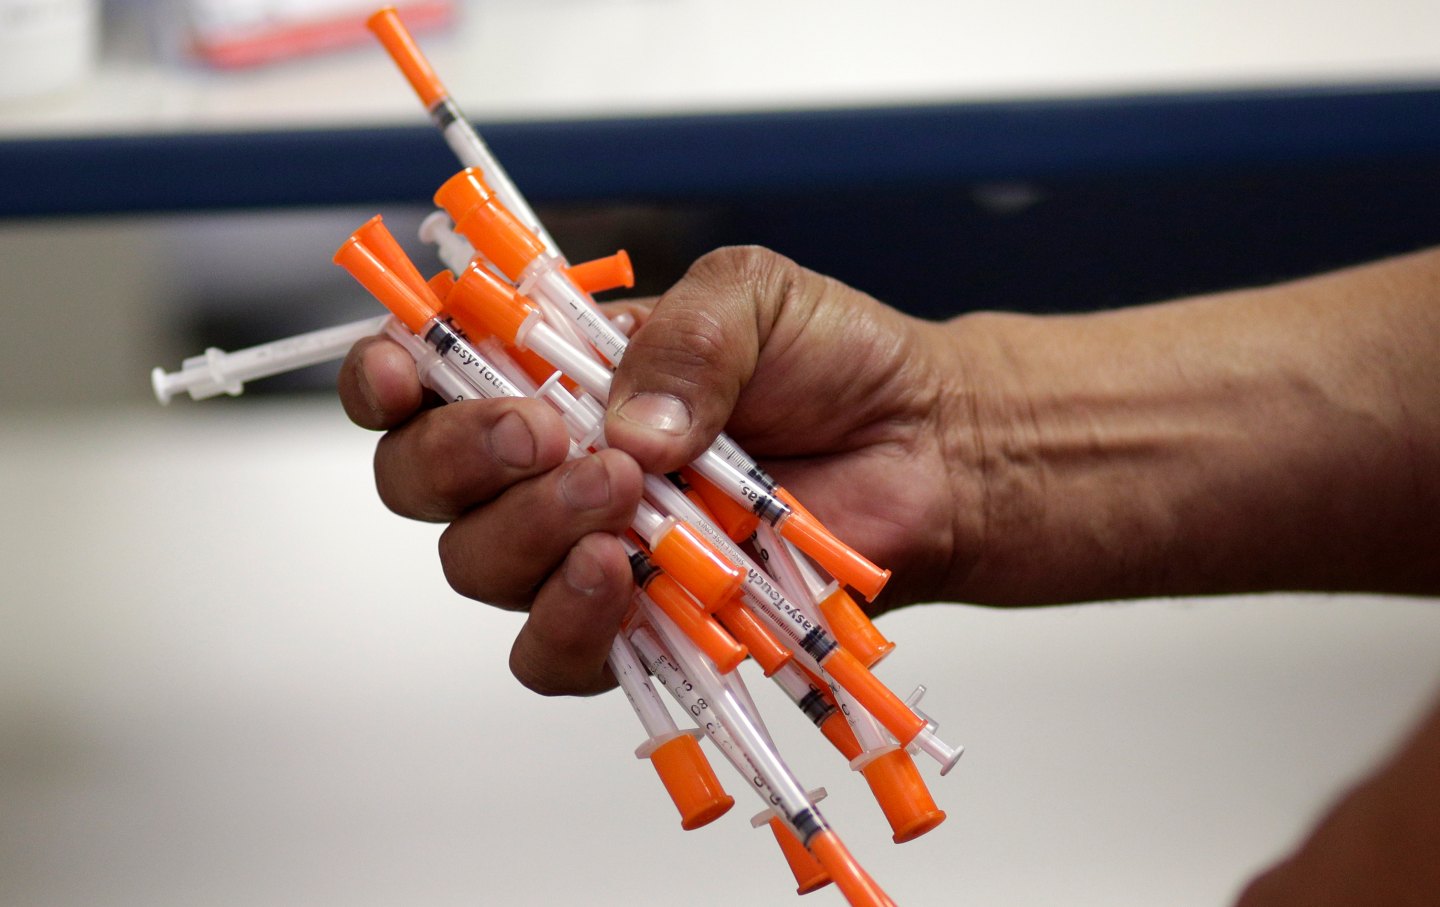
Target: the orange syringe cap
(742, 623)
(700, 627)
(490, 227)
(877, 699)
(853, 881)
(613, 272)
(695, 564)
(398, 42)
(690, 781)
(412, 308)
(853, 628)
(375, 236)
(809, 874)
(441, 283)
(485, 304)
(738, 521)
(902, 795)
(843, 562)
(463, 191)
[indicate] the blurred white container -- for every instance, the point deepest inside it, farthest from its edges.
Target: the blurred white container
(46, 45)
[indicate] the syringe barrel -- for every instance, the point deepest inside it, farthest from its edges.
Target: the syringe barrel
(636, 686)
(577, 364)
(797, 810)
(673, 678)
(458, 352)
(433, 371)
(546, 278)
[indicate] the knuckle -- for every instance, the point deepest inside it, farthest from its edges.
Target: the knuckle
(691, 344)
(747, 265)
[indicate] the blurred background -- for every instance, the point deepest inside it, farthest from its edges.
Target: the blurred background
(228, 676)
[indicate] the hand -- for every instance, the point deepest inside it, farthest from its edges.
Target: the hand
(849, 403)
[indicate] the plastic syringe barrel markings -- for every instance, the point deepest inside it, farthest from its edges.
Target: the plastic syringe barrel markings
(674, 754)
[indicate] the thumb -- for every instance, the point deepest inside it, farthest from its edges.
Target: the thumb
(683, 371)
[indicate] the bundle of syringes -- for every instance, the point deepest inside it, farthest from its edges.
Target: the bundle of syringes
(509, 316)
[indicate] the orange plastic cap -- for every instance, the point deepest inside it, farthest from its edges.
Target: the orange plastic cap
(496, 233)
(402, 48)
(854, 629)
(809, 874)
(376, 237)
(837, 730)
(902, 795)
(612, 272)
(742, 623)
(854, 882)
(484, 304)
(738, 521)
(413, 309)
(888, 709)
(843, 562)
(695, 564)
(690, 781)
(703, 630)
(463, 191)
(441, 283)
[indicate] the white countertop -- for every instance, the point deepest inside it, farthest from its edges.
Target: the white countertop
(556, 59)
(229, 677)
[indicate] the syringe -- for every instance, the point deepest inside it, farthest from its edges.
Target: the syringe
(459, 134)
(789, 798)
(216, 372)
(809, 874)
(674, 753)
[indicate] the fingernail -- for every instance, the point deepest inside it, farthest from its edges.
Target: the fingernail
(511, 442)
(583, 572)
(587, 485)
(660, 412)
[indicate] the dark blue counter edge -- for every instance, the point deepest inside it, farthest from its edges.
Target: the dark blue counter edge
(715, 157)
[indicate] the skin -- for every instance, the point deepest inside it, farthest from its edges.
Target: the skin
(1278, 438)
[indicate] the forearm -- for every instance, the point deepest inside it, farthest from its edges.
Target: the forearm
(1283, 438)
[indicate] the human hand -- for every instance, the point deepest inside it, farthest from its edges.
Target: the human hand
(849, 403)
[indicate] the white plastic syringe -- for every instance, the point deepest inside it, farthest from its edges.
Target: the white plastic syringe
(674, 753)
(462, 138)
(217, 372)
(810, 875)
(789, 798)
